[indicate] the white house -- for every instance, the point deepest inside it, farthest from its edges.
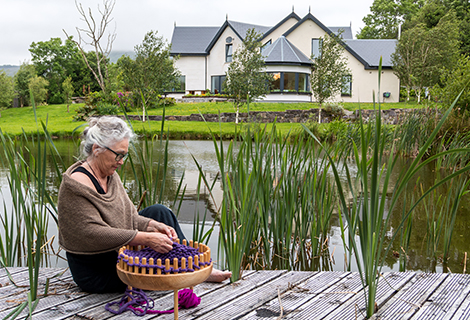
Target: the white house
(206, 52)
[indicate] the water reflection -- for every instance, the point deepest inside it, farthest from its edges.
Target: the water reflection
(181, 163)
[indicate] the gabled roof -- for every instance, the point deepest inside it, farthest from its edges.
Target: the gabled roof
(196, 41)
(192, 40)
(282, 51)
(347, 31)
(292, 15)
(366, 51)
(239, 28)
(309, 16)
(370, 51)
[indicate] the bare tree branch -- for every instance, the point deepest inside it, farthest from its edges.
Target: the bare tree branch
(95, 33)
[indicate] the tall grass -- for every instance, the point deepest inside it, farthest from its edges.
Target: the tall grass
(375, 166)
(441, 209)
(25, 238)
(149, 166)
(277, 201)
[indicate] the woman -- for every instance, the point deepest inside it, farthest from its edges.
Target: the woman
(96, 216)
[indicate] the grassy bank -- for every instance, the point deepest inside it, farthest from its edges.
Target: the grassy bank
(60, 122)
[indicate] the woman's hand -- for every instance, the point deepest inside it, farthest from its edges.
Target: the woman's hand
(158, 241)
(155, 226)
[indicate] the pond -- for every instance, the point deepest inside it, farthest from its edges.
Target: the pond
(182, 164)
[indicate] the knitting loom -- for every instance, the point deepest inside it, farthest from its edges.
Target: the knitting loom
(160, 276)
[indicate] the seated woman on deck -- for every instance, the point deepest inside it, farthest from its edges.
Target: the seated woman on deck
(96, 216)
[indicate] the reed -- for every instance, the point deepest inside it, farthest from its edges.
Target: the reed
(25, 239)
(149, 166)
(238, 208)
(278, 199)
(367, 214)
(199, 234)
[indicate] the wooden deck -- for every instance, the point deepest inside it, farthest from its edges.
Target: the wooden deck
(261, 295)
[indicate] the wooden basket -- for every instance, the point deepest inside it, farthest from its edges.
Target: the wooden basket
(137, 277)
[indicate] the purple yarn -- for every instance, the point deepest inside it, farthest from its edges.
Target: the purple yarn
(179, 251)
(140, 304)
(136, 300)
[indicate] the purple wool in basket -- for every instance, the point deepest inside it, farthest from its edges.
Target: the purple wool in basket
(179, 251)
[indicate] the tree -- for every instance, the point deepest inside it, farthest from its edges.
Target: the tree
(423, 54)
(329, 69)
(462, 9)
(452, 84)
(96, 33)
(21, 79)
(38, 87)
(245, 77)
(152, 72)
(386, 16)
(67, 91)
(55, 61)
(6, 90)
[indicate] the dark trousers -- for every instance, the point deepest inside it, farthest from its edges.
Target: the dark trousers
(96, 273)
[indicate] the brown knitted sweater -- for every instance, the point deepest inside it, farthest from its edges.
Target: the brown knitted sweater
(91, 223)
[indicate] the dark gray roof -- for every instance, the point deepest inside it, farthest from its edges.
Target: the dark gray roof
(241, 28)
(200, 40)
(282, 51)
(347, 32)
(370, 50)
(192, 40)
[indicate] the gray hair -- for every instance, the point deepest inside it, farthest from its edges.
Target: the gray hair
(104, 131)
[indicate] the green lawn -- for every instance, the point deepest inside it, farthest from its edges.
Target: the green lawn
(60, 123)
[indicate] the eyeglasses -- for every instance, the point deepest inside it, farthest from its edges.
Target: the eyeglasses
(119, 156)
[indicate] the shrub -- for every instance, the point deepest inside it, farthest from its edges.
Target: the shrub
(104, 108)
(84, 112)
(167, 101)
(335, 110)
(93, 98)
(124, 99)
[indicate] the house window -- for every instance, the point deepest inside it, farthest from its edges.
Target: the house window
(181, 84)
(316, 48)
(346, 89)
(228, 52)
(289, 82)
(303, 82)
(266, 46)
(276, 84)
(217, 84)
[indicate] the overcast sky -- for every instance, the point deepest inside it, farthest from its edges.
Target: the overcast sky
(25, 21)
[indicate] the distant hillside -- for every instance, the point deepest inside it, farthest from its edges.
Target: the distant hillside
(9, 69)
(114, 56)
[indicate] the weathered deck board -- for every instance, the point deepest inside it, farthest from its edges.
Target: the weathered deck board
(260, 295)
(388, 286)
(297, 296)
(462, 311)
(253, 299)
(411, 297)
(454, 288)
(14, 295)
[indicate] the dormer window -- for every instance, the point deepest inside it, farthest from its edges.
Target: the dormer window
(228, 52)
